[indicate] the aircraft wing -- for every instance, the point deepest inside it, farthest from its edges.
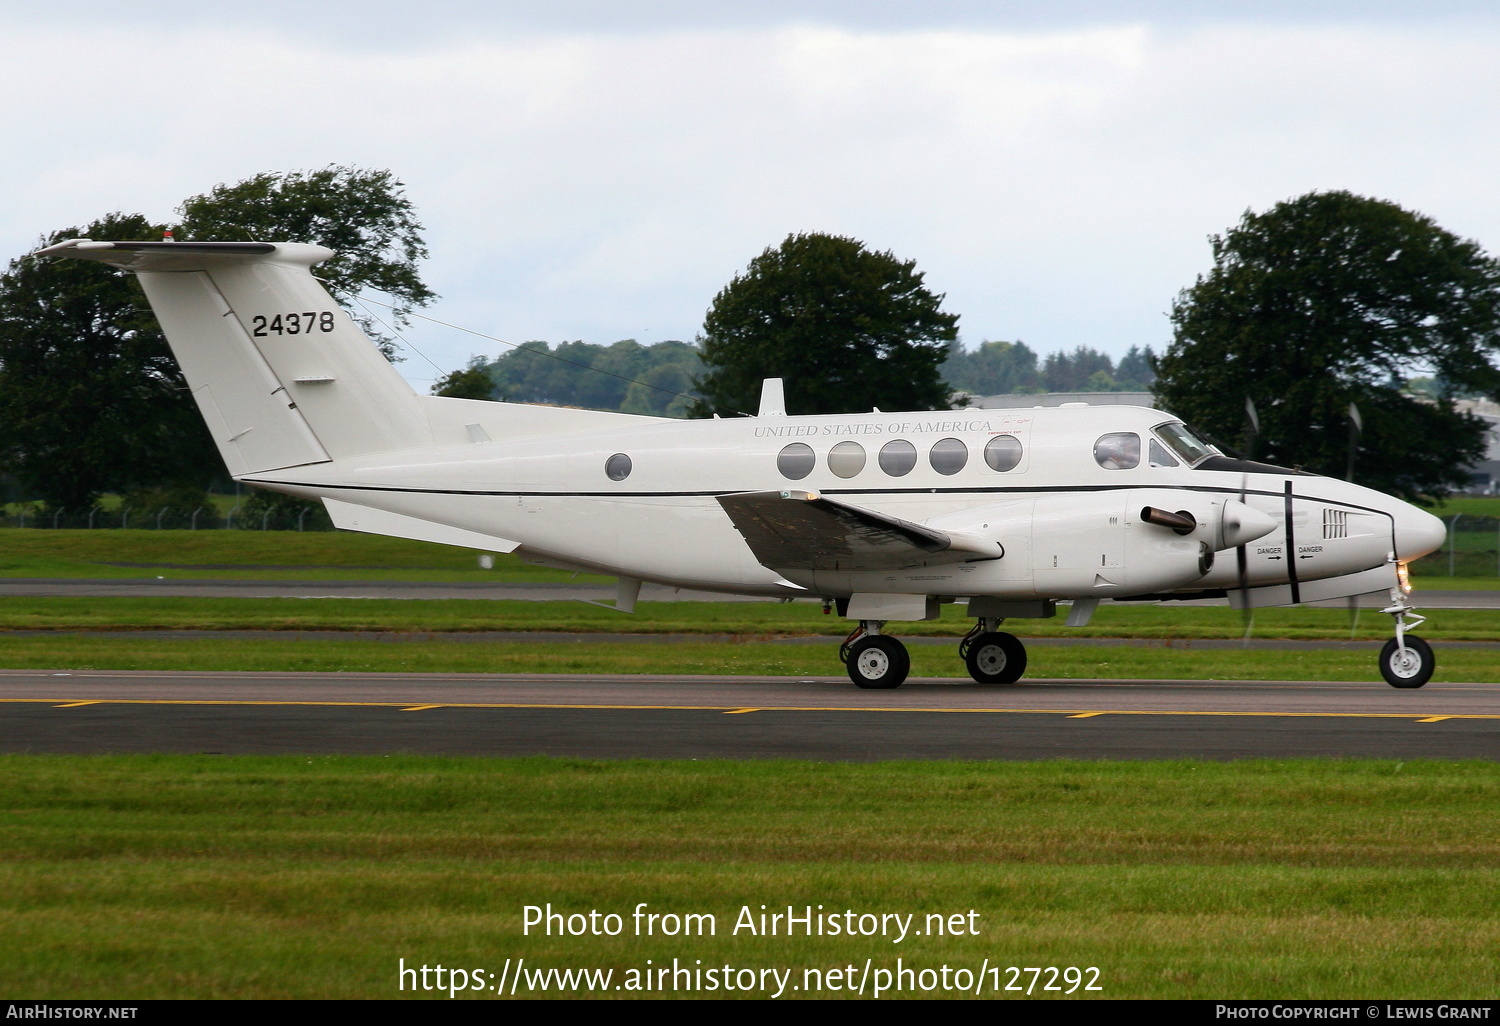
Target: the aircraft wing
(804, 531)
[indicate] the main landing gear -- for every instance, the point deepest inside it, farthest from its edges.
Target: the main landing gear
(879, 661)
(1406, 661)
(992, 656)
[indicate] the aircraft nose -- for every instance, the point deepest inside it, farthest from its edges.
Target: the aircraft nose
(1418, 532)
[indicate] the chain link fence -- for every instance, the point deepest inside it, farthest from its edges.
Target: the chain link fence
(167, 518)
(1472, 549)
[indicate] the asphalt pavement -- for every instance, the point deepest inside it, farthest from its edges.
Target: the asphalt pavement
(663, 716)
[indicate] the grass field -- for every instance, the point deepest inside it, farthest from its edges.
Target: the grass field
(342, 555)
(210, 877)
(748, 619)
(251, 555)
(170, 877)
(114, 652)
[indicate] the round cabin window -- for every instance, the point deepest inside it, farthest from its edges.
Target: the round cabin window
(948, 456)
(617, 467)
(796, 461)
(1002, 453)
(898, 457)
(846, 459)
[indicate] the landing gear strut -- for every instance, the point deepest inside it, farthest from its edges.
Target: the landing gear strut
(874, 660)
(1405, 662)
(992, 656)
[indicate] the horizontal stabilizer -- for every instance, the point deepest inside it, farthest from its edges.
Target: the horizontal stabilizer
(351, 516)
(797, 530)
(283, 376)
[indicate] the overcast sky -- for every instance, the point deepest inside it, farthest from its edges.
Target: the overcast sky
(598, 170)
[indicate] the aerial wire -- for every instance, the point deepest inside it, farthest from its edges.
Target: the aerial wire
(514, 345)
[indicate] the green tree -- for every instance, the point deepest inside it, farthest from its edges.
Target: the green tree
(845, 327)
(471, 382)
(1329, 299)
(655, 380)
(91, 400)
(1136, 370)
(1083, 370)
(995, 368)
(361, 214)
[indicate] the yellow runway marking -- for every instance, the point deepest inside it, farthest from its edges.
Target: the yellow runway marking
(1083, 716)
(1079, 713)
(75, 705)
(420, 708)
(731, 712)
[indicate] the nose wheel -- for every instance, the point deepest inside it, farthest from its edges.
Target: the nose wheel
(1407, 665)
(1406, 661)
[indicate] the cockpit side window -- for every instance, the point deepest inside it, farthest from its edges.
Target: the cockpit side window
(1185, 442)
(1160, 457)
(1118, 450)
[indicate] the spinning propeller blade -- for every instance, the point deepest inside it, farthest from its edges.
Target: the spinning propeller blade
(1356, 425)
(1241, 556)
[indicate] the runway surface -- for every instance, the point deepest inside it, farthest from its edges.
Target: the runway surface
(1436, 598)
(688, 717)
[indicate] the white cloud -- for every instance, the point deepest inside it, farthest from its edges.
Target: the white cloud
(1057, 185)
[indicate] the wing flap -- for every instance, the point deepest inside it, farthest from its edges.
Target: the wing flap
(800, 530)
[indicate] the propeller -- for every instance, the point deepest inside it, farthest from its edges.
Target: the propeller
(1242, 557)
(1356, 425)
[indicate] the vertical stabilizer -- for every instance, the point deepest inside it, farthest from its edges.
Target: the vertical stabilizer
(281, 373)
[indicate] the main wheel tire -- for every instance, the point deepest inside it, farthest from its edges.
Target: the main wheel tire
(878, 662)
(1411, 672)
(996, 658)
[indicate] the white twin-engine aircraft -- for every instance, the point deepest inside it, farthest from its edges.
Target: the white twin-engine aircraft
(884, 516)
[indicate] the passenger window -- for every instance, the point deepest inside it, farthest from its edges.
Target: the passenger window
(1159, 455)
(617, 467)
(948, 456)
(796, 461)
(846, 459)
(1002, 453)
(1119, 450)
(898, 457)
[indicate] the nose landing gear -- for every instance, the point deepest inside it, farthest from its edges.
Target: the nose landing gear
(1405, 662)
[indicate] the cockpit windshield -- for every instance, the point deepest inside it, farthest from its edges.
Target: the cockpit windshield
(1182, 440)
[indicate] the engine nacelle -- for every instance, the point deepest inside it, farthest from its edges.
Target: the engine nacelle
(1118, 542)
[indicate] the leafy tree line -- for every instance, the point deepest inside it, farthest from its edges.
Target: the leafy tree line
(1323, 301)
(91, 398)
(657, 380)
(1330, 300)
(527, 375)
(1006, 368)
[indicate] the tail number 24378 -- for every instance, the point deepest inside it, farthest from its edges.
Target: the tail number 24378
(291, 323)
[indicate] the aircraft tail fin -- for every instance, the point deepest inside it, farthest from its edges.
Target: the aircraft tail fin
(283, 376)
